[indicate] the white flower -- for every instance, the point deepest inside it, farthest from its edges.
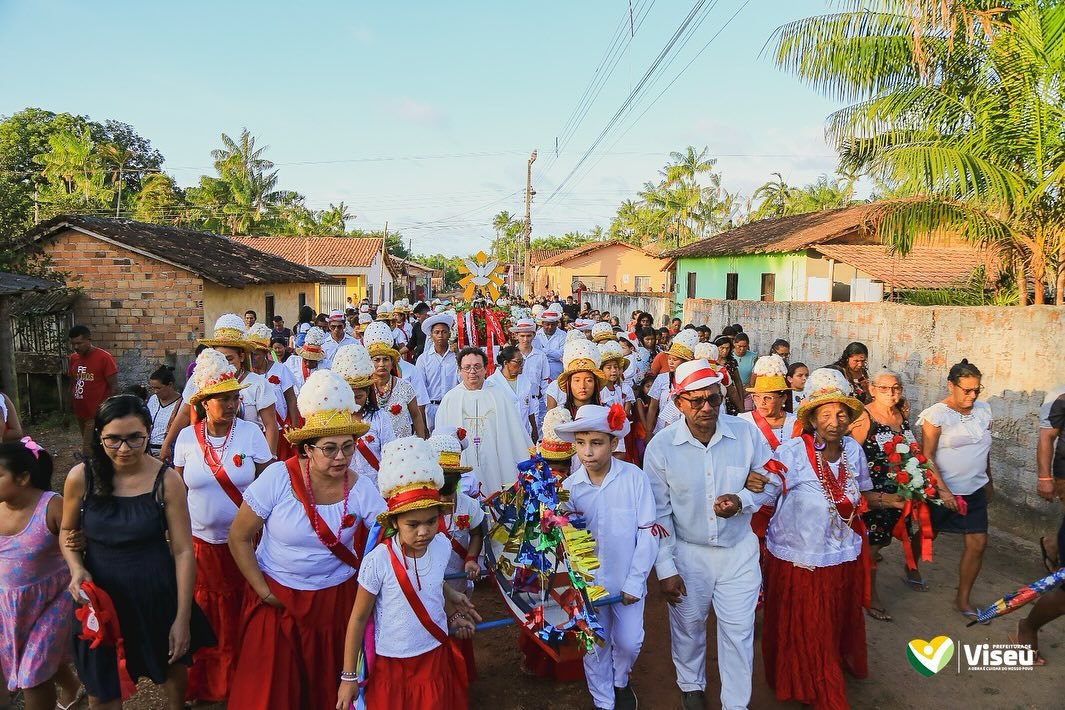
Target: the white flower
(917, 481)
(913, 466)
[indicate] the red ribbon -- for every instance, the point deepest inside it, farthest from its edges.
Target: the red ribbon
(216, 467)
(411, 496)
(705, 372)
(767, 431)
(365, 452)
(917, 511)
(656, 530)
(107, 631)
(327, 538)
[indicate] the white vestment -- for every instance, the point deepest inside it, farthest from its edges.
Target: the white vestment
(498, 440)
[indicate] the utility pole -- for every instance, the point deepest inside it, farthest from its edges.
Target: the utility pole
(384, 256)
(528, 286)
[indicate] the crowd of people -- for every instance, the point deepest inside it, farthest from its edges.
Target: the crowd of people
(213, 536)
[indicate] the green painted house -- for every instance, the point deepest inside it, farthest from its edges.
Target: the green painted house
(834, 255)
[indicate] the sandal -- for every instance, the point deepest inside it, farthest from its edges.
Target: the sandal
(878, 613)
(917, 585)
(1014, 638)
(78, 697)
(1049, 562)
(973, 617)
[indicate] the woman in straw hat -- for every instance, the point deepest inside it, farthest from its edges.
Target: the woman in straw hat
(280, 380)
(662, 411)
(817, 567)
(401, 584)
(394, 394)
(257, 402)
(308, 357)
(352, 362)
(218, 457)
(581, 378)
(311, 513)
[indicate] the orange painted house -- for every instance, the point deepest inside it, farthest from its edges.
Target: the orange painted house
(601, 266)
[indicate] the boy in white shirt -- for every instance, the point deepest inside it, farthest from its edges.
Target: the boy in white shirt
(616, 500)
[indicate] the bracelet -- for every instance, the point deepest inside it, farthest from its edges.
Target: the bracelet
(456, 615)
(349, 677)
(1047, 478)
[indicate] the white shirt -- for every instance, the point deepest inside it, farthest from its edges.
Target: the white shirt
(211, 510)
(289, 551)
(294, 364)
(161, 416)
(401, 336)
(380, 433)
(400, 396)
(552, 346)
(555, 392)
(285, 383)
(397, 631)
(439, 373)
(964, 441)
(258, 395)
(520, 392)
(782, 433)
(330, 347)
(806, 529)
(473, 517)
(662, 390)
(687, 478)
(620, 513)
(538, 370)
(409, 372)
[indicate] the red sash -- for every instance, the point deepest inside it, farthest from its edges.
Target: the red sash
(339, 550)
(767, 431)
(364, 450)
(217, 468)
(458, 663)
(845, 509)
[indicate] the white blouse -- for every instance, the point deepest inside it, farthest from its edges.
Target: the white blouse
(289, 551)
(964, 441)
(474, 516)
(258, 395)
(161, 415)
(806, 529)
(211, 510)
(401, 395)
(782, 433)
(284, 383)
(397, 631)
(380, 433)
(661, 389)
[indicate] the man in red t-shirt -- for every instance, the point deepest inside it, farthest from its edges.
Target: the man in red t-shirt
(93, 378)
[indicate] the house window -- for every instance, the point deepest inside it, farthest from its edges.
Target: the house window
(643, 284)
(732, 286)
(691, 285)
(769, 285)
(269, 309)
(302, 300)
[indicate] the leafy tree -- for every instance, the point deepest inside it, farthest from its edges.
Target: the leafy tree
(334, 221)
(74, 177)
(449, 265)
(250, 184)
(158, 201)
(569, 240)
(774, 198)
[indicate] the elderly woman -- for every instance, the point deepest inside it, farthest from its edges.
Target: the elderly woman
(394, 394)
(306, 514)
(956, 435)
(353, 363)
(815, 580)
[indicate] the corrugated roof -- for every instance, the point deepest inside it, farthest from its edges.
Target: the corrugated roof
(783, 234)
(211, 256)
(923, 267)
(41, 304)
(318, 251)
(564, 256)
(11, 284)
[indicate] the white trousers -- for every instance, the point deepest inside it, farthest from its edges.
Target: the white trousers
(607, 667)
(728, 579)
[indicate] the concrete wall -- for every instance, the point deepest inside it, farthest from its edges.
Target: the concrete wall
(1017, 349)
(221, 299)
(623, 304)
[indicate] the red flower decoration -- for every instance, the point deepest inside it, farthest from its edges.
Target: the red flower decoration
(922, 459)
(368, 438)
(902, 477)
(460, 434)
(395, 409)
(889, 447)
(894, 458)
(238, 459)
(274, 380)
(914, 448)
(898, 439)
(462, 522)
(615, 418)
(347, 521)
(930, 492)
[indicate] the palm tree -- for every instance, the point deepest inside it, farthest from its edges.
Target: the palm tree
(688, 166)
(958, 103)
(335, 219)
(773, 198)
(253, 189)
(117, 158)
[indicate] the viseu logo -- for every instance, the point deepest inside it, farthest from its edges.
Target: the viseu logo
(930, 657)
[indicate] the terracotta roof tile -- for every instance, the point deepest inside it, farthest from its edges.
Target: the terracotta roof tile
(566, 255)
(318, 251)
(538, 256)
(923, 267)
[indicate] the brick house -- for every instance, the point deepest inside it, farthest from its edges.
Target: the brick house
(149, 291)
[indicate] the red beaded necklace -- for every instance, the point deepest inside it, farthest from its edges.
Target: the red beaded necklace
(314, 519)
(835, 487)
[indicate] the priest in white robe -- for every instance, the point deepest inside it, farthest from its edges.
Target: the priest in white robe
(498, 439)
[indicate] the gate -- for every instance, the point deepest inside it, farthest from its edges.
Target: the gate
(331, 297)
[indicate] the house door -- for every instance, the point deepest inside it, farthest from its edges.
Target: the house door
(769, 285)
(332, 297)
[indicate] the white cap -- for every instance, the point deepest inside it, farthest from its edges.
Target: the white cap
(696, 375)
(595, 417)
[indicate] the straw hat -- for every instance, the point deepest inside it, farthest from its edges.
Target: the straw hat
(378, 339)
(410, 477)
(353, 363)
(312, 344)
(611, 350)
(364, 320)
(258, 336)
(705, 351)
(213, 375)
(602, 331)
(449, 443)
(326, 403)
(384, 311)
(581, 356)
(228, 333)
(823, 386)
(770, 371)
(683, 345)
(551, 447)
(401, 307)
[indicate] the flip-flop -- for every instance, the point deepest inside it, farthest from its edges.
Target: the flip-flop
(878, 613)
(917, 585)
(973, 616)
(78, 697)
(1015, 638)
(1049, 562)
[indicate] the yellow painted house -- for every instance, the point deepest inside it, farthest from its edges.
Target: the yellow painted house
(600, 266)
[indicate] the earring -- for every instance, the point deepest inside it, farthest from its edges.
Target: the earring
(818, 444)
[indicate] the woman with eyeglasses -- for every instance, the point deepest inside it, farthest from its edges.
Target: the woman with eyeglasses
(956, 435)
(132, 513)
(510, 377)
(353, 363)
(218, 456)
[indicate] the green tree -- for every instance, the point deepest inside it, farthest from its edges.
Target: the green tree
(773, 197)
(158, 201)
(74, 175)
(334, 221)
(448, 264)
(569, 240)
(251, 183)
(959, 104)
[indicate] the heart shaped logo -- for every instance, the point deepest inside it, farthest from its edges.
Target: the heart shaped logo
(930, 657)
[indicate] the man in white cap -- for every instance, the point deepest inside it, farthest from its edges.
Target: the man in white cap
(337, 339)
(708, 556)
(437, 370)
(537, 370)
(550, 338)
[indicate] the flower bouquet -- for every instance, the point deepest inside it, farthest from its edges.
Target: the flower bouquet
(481, 325)
(917, 484)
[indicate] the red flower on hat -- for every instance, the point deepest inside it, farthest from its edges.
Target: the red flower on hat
(395, 409)
(274, 380)
(347, 521)
(460, 434)
(615, 418)
(902, 478)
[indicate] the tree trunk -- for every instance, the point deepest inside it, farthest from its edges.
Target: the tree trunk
(1039, 273)
(1022, 280)
(1059, 294)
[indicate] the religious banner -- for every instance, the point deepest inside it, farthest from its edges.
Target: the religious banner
(481, 273)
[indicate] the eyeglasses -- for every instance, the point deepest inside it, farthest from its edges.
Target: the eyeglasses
(472, 368)
(336, 326)
(888, 388)
(698, 403)
(330, 451)
(971, 390)
(134, 442)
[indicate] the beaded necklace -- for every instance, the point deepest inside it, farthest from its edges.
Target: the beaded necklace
(213, 455)
(314, 519)
(834, 488)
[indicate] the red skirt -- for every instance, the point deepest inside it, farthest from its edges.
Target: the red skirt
(426, 681)
(569, 667)
(219, 592)
(292, 657)
(813, 630)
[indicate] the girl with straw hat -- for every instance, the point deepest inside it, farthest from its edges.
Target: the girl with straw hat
(218, 457)
(308, 357)
(394, 394)
(401, 584)
(661, 410)
(257, 403)
(352, 362)
(581, 377)
(312, 514)
(616, 391)
(279, 378)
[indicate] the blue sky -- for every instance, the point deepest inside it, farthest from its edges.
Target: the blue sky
(423, 114)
